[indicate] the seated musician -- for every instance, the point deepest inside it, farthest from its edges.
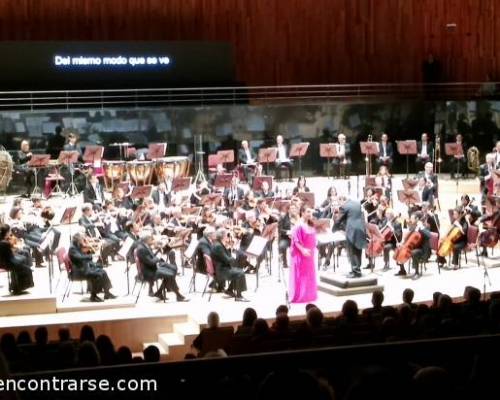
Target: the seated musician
(156, 268)
(428, 183)
(391, 222)
(282, 160)
(460, 220)
(23, 156)
(160, 197)
(486, 177)
(458, 163)
(233, 193)
(421, 253)
(343, 159)
(383, 179)
(226, 266)
(301, 186)
(370, 201)
(265, 190)
(202, 189)
(113, 224)
(80, 255)
(95, 229)
(470, 209)
(16, 259)
(285, 225)
(93, 192)
(247, 159)
(385, 151)
(122, 200)
(204, 248)
(72, 144)
(29, 232)
(430, 216)
(424, 151)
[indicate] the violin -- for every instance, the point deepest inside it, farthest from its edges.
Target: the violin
(412, 242)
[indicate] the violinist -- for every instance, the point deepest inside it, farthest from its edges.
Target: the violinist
(486, 183)
(156, 268)
(31, 234)
(233, 193)
(430, 216)
(94, 192)
(301, 186)
(370, 201)
(202, 189)
(329, 207)
(17, 260)
(393, 237)
(428, 183)
(265, 191)
(160, 197)
(84, 268)
(383, 179)
(460, 220)
(226, 265)
(122, 200)
(250, 202)
(422, 250)
(470, 209)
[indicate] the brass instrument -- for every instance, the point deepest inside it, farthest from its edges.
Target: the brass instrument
(437, 155)
(368, 158)
(473, 162)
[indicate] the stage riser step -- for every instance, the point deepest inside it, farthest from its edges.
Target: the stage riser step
(336, 291)
(345, 283)
(24, 305)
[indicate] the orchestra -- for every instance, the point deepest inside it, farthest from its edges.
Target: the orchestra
(225, 221)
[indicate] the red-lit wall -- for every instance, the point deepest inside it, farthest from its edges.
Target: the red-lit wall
(287, 41)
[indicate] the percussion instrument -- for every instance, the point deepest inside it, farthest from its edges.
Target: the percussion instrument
(141, 172)
(114, 172)
(6, 168)
(175, 167)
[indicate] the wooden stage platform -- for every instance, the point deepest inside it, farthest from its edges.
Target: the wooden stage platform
(172, 326)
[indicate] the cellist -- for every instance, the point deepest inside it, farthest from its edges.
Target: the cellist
(460, 220)
(486, 177)
(393, 238)
(422, 250)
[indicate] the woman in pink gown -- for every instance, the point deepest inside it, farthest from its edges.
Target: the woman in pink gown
(303, 285)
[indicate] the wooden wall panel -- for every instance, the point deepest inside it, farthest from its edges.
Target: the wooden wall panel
(287, 41)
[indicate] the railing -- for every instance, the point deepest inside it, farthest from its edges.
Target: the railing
(301, 94)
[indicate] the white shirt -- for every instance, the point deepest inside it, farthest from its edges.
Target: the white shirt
(97, 192)
(341, 150)
(250, 160)
(282, 153)
(423, 153)
(497, 158)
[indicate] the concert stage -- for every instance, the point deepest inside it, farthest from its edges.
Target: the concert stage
(172, 326)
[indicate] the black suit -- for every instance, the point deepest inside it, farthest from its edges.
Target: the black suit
(204, 248)
(343, 163)
(232, 195)
(422, 160)
(109, 246)
(84, 268)
(422, 253)
(19, 266)
(279, 164)
(156, 195)
(243, 159)
(484, 171)
(28, 173)
(429, 194)
(392, 243)
(226, 270)
(389, 152)
(90, 194)
(154, 268)
(355, 231)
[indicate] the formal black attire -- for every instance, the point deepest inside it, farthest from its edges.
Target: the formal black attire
(109, 246)
(392, 243)
(94, 195)
(423, 158)
(22, 160)
(232, 195)
(279, 164)
(161, 198)
(154, 268)
(429, 194)
(245, 161)
(19, 265)
(484, 171)
(422, 253)
(84, 268)
(385, 151)
(343, 163)
(355, 230)
(225, 268)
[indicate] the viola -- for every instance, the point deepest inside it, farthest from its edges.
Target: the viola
(412, 242)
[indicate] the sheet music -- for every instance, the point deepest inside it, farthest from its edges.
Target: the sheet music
(189, 253)
(126, 246)
(257, 246)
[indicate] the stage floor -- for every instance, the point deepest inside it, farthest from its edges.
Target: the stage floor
(271, 292)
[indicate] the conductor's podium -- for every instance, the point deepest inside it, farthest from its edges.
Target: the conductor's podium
(338, 285)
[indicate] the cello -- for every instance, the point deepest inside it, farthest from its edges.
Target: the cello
(412, 241)
(454, 234)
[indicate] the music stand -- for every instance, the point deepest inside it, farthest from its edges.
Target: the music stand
(257, 182)
(454, 150)
(267, 155)
(141, 192)
(226, 156)
(270, 231)
(37, 162)
(407, 148)
(368, 149)
(123, 252)
(93, 154)
(156, 150)
(307, 198)
(299, 150)
(179, 184)
(409, 196)
(328, 151)
(282, 205)
(409, 184)
(211, 199)
(223, 180)
(69, 158)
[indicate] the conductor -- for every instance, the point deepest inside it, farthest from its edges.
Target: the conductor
(355, 231)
